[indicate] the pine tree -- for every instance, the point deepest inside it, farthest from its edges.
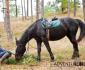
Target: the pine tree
(27, 7)
(22, 8)
(7, 22)
(83, 1)
(42, 8)
(16, 8)
(68, 8)
(37, 9)
(74, 7)
(31, 12)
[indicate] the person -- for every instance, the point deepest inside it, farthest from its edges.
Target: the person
(4, 54)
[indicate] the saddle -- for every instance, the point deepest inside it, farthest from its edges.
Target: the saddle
(51, 24)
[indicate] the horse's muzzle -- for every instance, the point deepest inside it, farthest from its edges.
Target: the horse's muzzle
(17, 58)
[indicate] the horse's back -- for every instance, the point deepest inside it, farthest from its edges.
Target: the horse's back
(71, 24)
(68, 26)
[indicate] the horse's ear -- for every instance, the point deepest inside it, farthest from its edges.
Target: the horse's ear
(16, 40)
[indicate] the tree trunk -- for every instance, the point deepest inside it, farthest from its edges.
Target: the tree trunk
(16, 7)
(37, 9)
(42, 8)
(83, 1)
(75, 8)
(22, 8)
(31, 12)
(3, 7)
(68, 8)
(7, 22)
(27, 7)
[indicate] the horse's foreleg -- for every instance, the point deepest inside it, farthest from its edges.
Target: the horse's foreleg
(48, 48)
(39, 50)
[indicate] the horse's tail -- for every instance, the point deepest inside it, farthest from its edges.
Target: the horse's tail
(82, 29)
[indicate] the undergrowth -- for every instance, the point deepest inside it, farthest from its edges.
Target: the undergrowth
(27, 59)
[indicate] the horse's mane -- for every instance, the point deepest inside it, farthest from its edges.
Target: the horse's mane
(32, 25)
(35, 23)
(30, 28)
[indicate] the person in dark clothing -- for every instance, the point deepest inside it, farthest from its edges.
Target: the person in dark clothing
(4, 54)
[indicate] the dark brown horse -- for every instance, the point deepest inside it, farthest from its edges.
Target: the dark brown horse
(68, 27)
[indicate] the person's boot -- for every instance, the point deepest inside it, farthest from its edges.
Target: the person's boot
(5, 56)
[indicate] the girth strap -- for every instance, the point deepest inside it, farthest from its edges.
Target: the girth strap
(48, 34)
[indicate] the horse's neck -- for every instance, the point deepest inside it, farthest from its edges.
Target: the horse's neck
(25, 38)
(28, 34)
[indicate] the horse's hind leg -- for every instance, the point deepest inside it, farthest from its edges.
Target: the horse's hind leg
(75, 46)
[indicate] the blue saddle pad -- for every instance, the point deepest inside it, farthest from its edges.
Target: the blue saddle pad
(51, 24)
(55, 23)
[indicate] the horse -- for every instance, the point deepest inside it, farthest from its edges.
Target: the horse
(68, 27)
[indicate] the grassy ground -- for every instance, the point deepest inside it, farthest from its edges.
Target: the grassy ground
(61, 49)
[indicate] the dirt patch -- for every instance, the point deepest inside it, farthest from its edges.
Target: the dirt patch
(44, 65)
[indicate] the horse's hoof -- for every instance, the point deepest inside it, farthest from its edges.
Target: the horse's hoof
(75, 57)
(77, 62)
(53, 62)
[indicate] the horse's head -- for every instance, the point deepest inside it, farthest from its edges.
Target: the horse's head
(19, 50)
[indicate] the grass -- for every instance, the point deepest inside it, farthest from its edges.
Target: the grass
(60, 56)
(10, 61)
(26, 60)
(29, 59)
